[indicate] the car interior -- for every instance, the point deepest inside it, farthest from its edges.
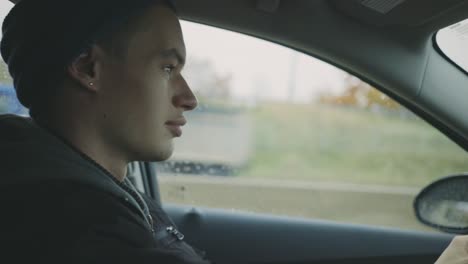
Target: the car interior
(388, 43)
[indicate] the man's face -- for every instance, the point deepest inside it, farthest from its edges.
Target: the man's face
(144, 94)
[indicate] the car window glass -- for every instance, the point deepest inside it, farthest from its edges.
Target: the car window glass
(8, 101)
(283, 133)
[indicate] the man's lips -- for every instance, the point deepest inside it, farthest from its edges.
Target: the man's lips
(175, 126)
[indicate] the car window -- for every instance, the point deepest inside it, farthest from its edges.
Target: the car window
(453, 41)
(283, 133)
(8, 100)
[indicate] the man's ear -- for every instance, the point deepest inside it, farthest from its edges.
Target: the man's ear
(86, 68)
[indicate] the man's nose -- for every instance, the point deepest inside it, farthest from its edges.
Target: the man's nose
(185, 98)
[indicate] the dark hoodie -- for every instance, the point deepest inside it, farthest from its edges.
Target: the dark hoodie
(58, 206)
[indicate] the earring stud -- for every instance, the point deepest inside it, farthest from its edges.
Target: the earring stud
(91, 84)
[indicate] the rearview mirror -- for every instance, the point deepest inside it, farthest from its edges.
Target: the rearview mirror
(444, 204)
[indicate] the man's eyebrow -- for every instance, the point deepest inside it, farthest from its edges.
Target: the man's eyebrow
(173, 53)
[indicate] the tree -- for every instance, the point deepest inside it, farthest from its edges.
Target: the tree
(360, 94)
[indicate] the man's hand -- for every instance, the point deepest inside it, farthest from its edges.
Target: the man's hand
(456, 253)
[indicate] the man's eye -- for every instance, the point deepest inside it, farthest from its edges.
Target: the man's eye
(169, 68)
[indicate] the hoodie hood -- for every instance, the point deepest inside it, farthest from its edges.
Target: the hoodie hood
(30, 154)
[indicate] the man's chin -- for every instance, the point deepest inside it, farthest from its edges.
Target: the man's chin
(155, 153)
(160, 154)
(156, 157)
(163, 156)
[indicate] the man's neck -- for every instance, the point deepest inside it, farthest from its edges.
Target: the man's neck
(86, 140)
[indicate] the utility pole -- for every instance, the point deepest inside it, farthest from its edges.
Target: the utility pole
(292, 75)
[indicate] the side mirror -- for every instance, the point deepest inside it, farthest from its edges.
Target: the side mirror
(444, 204)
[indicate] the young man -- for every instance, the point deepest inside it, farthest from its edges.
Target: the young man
(103, 83)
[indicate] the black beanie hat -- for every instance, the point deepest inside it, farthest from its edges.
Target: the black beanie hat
(41, 37)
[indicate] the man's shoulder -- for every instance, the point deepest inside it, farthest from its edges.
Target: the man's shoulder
(65, 205)
(71, 208)
(53, 191)
(70, 221)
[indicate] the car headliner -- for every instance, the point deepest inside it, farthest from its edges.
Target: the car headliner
(395, 51)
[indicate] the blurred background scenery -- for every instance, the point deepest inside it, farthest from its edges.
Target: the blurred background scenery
(283, 133)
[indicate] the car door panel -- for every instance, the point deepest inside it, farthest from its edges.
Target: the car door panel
(233, 237)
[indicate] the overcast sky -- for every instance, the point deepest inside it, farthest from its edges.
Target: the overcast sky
(5, 6)
(259, 68)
